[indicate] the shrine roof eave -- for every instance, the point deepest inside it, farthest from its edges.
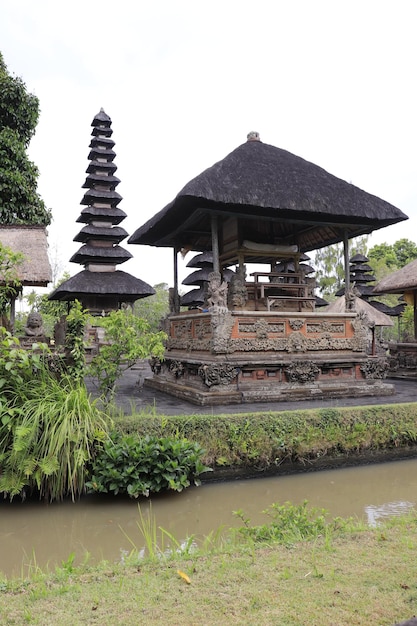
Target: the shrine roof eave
(261, 182)
(113, 284)
(187, 223)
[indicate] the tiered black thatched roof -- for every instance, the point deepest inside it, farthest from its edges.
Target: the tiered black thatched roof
(100, 286)
(360, 277)
(279, 198)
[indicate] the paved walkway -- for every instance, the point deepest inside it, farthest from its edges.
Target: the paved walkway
(132, 395)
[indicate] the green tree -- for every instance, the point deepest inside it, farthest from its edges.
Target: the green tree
(128, 338)
(384, 254)
(20, 202)
(330, 266)
(154, 308)
(394, 256)
(405, 251)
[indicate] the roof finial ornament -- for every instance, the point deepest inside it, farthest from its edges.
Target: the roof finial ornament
(253, 136)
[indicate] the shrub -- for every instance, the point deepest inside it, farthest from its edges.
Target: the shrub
(127, 464)
(128, 338)
(288, 523)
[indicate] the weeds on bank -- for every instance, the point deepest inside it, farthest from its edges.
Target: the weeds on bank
(263, 440)
(358, 576)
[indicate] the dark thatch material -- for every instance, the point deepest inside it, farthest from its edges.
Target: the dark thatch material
(359, 258)
(193, 298)
(280, 199)
(360, 267)
(403, 280)
(93, 195)
(198, 277)
(201, 276)
(117, 284)
(96, 254)
(115, 234)
(31, 241)
(101, 214)
(394, 311)
(205, 259)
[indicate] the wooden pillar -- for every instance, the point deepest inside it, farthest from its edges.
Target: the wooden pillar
(346, 261)
(415, 313)
(215, 243)
(176, 294)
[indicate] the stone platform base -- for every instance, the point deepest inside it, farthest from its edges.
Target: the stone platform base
(284, 392)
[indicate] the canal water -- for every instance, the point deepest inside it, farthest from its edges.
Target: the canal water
(37, 534)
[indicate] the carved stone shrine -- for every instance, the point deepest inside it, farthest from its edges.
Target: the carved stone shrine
(258, 336)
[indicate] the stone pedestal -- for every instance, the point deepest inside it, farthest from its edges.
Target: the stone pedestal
(225, 357)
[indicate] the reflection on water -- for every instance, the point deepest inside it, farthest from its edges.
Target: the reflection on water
(106, 527)
(375, 514)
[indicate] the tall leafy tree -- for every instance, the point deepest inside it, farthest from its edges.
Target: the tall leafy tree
(154, 308)
(330, 265)
(20, 202)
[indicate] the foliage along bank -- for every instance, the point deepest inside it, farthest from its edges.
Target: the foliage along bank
(289, 440)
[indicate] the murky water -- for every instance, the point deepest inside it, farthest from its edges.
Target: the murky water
(33, 533)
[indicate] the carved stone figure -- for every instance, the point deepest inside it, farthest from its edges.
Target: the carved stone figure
(217, 292)
(155, 364)
(350, 296)
(34, 325)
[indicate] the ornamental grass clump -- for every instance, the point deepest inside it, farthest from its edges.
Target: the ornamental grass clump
(48, 441)
(135, 466)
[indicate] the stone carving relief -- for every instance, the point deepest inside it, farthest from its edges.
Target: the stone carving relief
(302, 372)
(202, 329)
(297, 342)
(218, 374)
(221, 329)
(325, 327)
(156, 365)
(182, 329)
(176, 368)
(250, 327)
(261, 329)
(375, 368)
(238, 294)
(360, 339)
(296, 324)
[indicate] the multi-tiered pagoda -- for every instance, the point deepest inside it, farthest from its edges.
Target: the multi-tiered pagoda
(100, 287)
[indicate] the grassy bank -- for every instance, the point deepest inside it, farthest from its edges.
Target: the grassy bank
(267, 440)
(344, 574)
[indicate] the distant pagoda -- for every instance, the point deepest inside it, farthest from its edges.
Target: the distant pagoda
(100, 287)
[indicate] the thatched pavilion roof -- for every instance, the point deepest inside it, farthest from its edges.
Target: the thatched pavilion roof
(31, 241)
(280, 199)
(361, 306)
(403, 280)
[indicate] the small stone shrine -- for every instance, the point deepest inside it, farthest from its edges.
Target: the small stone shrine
(259, 337)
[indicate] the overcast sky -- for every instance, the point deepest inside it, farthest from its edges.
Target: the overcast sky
(184, 81)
